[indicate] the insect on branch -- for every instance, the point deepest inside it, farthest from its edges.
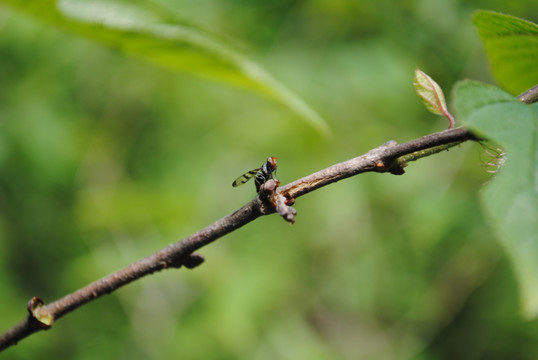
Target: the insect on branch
(271, 199)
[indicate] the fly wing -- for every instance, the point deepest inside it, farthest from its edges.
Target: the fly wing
(245, 177)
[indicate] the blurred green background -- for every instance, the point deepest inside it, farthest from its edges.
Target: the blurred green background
(105, 159)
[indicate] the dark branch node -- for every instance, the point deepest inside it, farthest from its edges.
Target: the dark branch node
(277, 202)
(193, 260)
(393, 166)
(398, 168)
(190, 261)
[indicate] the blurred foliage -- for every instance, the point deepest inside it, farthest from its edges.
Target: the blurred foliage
(160, 36)
(512, 47)
(105, 159)
(511, 198)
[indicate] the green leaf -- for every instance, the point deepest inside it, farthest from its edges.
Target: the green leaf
(512, 47)
(510, 199)
(149, 32)
(431, 94)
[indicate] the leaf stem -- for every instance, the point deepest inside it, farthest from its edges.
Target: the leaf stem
(403, 160)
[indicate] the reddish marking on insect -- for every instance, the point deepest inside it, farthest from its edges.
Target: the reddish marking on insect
(380, 164)
(272, 160)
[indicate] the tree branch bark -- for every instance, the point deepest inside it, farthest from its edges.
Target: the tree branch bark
(530, 96)
(389, 157)
(380, 159)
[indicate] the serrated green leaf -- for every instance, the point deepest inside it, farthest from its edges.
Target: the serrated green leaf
(512, 47)
(510, 199)
(161, 37)
(431, 94)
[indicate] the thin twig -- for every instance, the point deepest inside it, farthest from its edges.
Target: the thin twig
(173, 256)
(384, 158)
(530, 96)
(380, 159)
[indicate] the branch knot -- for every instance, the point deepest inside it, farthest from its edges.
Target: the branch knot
(273, 201)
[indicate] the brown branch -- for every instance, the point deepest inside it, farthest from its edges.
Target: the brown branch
(530, 96)
(385, 158)
(173, 256)
(380, 159)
